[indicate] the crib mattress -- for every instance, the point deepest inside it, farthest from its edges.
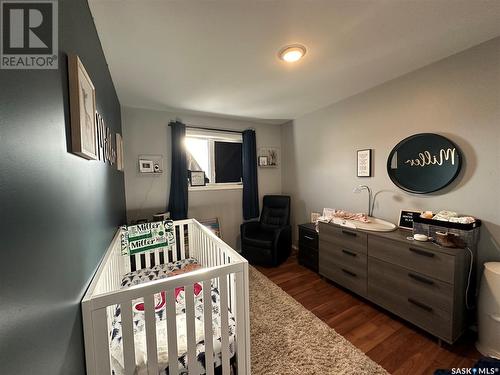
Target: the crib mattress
(159, 272)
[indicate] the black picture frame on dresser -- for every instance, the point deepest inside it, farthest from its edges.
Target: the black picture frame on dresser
(308, 246)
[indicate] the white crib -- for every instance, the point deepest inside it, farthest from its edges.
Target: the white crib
(222, 266)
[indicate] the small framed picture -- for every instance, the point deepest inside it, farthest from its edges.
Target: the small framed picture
(263, 161)
(82, 110)
(364, 163)
(406, 219)
(197, 178)
(145, 166)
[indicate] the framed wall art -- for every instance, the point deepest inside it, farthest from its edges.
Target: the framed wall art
(119, 152)
(197, 178)
(263, 161)
(82, 110)
(364, 163)
(272, 155)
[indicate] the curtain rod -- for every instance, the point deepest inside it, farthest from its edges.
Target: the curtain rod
(215, 129)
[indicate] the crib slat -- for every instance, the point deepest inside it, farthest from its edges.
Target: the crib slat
(128, 338)
(181, 233)
(199, 247)
(190, 330)
(190, 239)
(151, 347)
(173, 368)
(166, 258)
(207, 319)
(157, 257)
(101, 343)
(224, 324)
(208, 247)
(126, 263)
(174, 252)
(138, 265)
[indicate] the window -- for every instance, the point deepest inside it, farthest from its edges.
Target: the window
(216, 153)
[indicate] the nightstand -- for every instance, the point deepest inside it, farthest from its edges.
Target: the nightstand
(308, 246)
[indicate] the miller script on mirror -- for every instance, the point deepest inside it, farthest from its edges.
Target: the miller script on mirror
(425, 158)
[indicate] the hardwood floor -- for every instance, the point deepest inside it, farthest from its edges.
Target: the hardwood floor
(396, 345)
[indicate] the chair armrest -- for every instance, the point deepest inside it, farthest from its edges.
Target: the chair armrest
(249, 227)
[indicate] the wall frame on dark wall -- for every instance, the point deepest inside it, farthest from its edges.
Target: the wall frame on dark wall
(83, 109)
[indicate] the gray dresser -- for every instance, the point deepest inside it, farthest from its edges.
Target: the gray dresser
(420, 282)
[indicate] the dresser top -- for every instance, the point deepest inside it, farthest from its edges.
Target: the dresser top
(401, 235)
(308, 226)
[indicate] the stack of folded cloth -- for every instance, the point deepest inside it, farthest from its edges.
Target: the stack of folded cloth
(450, 216)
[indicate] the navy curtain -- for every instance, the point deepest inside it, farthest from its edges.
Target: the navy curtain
(178, 200)
(250, 188)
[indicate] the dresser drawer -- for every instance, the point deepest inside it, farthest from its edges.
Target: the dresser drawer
(424, 261)
(431, 292)
(346, 238)
(432, 320)
(308, 238)
(413, 303)
(354, 260)
(348, 277)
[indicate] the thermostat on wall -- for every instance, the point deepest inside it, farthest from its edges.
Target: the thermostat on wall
(151, 164)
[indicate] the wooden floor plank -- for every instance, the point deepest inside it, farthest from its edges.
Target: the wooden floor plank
(396, 345)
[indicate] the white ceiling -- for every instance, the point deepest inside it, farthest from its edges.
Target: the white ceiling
(220, 57)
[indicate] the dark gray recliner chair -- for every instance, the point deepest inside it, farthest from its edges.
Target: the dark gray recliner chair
(268, 241)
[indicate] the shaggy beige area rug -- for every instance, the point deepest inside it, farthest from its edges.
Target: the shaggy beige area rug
(288, 339)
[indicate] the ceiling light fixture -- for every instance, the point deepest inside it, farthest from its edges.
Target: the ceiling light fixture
(292, 53)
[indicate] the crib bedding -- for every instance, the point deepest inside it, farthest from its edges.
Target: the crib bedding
(159, 272)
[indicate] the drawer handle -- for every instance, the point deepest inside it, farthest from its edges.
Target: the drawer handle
(420, 304)
(349, 272)
(422, 252)
(421, 279)
(346, 232)
(349, 253)
(309, 238)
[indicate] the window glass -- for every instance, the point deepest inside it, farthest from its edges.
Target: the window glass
(216, 153)
(198, 156)
(227, 162)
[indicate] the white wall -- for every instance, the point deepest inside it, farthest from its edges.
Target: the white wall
(147, 132)
(458, 97)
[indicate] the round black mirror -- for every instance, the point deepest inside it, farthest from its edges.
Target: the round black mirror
(424, 163)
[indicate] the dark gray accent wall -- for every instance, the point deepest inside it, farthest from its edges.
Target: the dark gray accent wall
(58, 212)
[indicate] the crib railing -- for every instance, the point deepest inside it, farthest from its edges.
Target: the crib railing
(222, 267)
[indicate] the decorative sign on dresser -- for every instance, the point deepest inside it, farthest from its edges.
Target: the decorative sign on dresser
(406, 219)
(424, 163)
